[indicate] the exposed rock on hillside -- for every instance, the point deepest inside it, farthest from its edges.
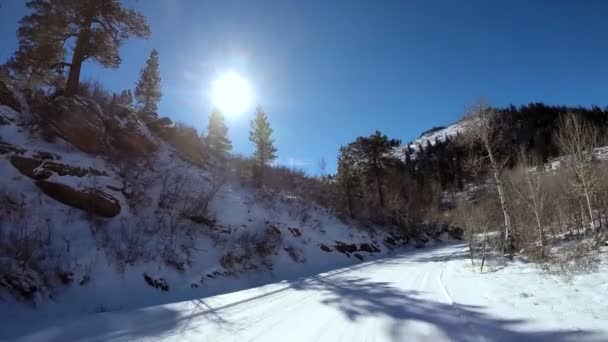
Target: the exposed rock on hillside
(40, 169)
(78, 121)
(90, 200)
(126, 132)
(8, 98)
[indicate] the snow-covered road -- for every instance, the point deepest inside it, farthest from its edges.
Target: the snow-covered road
(423, 295)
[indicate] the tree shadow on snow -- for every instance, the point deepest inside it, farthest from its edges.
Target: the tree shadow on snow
(121, 326)
(358, 298)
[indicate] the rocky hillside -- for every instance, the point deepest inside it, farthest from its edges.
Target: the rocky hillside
(111, 209)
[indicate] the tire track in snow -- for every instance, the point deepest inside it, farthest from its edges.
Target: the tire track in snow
(450, 299)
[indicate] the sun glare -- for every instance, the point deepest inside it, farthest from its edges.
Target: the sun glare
(231, 94)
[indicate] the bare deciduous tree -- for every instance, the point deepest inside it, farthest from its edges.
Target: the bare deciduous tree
(480, 123)
(529, 186)
(322, 167)
(577, 140)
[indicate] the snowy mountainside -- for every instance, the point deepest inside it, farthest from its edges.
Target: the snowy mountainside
(93, 232)
(430, 137)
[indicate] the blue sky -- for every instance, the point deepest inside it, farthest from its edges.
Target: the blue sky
(329, 71)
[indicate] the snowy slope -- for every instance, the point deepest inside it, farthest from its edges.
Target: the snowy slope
(424, 295)
(148, 254)
(430, 137)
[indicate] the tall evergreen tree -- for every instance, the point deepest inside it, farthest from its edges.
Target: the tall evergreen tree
(216, 139)
(375, 154)
(147, 91)
(260, 136)
(95, 29)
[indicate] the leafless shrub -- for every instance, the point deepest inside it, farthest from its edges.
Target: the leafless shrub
(128, 242)
(572, 259)
(528, 183)
(253, 250)
(577, 140)
(187, 142)
(137, 180)
(29, 250)
(96, 91)
(479, 222)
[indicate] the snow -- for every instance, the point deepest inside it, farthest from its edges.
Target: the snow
(424, 295)
(90, 248)
(431, 137)
(421, 295)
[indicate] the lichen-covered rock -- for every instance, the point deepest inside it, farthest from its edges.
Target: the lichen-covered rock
(77, 120)
(91, 200)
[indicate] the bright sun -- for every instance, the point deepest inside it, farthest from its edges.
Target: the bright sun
(231, 94)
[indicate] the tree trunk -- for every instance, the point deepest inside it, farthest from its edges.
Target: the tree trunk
(538, 207)
(82, 42)
(350, 204)
(502, 197)
(378, 184)
(541, 234)
(589, 206)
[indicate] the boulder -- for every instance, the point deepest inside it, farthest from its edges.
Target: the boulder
(77, 120)
(8, 97)
(91, 200)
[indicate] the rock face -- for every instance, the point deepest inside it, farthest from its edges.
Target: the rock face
(91, 200)
(79, 121)
(8, 98)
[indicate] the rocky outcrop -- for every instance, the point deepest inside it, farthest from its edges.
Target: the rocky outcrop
(159, 283)
(8, 98)
(352, 248)
(148, 117)
(126, 132)
(79, 121)
(4, 120)
(6, 148)
(41, 169)
(91, 200)
(162, 126)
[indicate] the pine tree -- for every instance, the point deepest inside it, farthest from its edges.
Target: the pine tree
(260, 136)
(147, 91)
(96, 28)
(375, 154)
(216, 139)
